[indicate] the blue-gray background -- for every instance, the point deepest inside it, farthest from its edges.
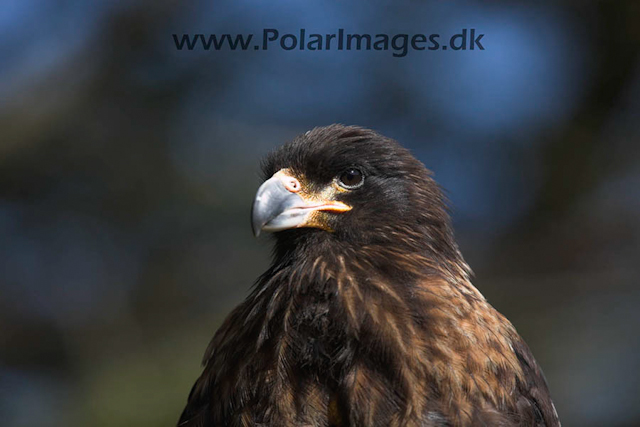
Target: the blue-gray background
(127, 170)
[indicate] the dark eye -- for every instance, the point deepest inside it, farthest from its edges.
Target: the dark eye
(351, 178)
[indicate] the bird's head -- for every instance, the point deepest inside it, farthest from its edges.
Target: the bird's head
(354, 187)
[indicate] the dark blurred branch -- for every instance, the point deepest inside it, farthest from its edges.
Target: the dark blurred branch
(576, 158)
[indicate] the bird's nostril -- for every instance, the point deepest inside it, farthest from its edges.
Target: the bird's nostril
(292, 184)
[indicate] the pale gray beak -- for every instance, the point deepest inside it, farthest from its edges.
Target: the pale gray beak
(276, 208)
(280, 205)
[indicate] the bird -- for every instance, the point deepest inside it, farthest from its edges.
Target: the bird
(366, 315)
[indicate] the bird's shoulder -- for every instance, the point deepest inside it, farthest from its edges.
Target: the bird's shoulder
(479, 358)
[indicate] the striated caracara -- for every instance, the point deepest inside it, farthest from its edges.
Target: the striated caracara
(366, 316)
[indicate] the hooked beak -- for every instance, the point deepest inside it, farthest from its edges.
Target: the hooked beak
(281, 204)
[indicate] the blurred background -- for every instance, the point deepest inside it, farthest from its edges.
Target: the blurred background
(127, 170)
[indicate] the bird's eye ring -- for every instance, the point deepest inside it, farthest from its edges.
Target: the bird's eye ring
(351, 178)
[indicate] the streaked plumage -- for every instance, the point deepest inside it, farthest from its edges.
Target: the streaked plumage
(366, 316)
